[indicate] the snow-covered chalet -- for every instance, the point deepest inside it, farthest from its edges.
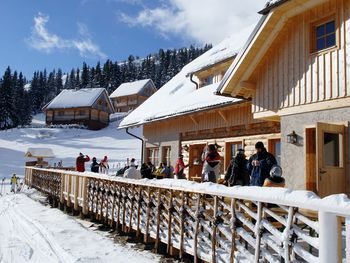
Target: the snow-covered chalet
(90, 107)
(295, 69)
(128, 96)
(184, 115)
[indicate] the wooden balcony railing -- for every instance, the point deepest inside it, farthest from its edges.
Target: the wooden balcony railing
(210, 222)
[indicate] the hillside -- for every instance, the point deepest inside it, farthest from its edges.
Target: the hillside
(66, 145)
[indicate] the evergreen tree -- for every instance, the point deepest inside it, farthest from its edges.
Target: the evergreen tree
(7, 107)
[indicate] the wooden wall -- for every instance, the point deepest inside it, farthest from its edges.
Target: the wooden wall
(291, 75)
(229, 116)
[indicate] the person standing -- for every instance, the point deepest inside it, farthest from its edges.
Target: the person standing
(211, 165)
(260, 164)
(180, 168)
(104, 167)
(80, 162)
(237, 173)
(132, 172)
(95, 166)
(13, 183)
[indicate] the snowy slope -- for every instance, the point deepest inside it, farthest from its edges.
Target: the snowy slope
(31, 232)
(66, 145)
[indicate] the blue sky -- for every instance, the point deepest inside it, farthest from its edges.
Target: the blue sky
(38, 34)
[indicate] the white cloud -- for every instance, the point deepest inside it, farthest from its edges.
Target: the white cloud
(43, 40)
(204, 21)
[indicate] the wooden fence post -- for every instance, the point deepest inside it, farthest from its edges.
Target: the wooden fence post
(148, 212)
(158, 220)
(233, 230)
(170, 213)
(182, 224)
(215, 225)
(258, 233)
(139, 202)
(196, 229)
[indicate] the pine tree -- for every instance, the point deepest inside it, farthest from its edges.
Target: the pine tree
(7, 107)
(85, 78)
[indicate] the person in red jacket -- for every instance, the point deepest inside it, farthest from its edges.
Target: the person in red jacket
(80, 162)
(180, 167)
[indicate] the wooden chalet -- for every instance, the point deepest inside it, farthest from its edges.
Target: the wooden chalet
(90, 107)
(128, 96)
(185, 115)
(295, 70)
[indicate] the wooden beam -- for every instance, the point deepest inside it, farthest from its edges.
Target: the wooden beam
(194, 120)
(247, 85)
(223, 115)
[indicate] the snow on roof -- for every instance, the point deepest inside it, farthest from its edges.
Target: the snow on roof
(129, 88)
(270, 5)
(39, 152)
(70, 98)
(180, 96)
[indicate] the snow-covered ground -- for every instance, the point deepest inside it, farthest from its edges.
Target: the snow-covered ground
(66, 145)
(32, 232)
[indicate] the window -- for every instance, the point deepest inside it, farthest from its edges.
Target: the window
(332, 149)
(166, 155)
(275, 149)
(324, 35)
(153, 156)
(231, 151)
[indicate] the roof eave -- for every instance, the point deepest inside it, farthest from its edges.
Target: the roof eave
(268, 8)
(169, 116)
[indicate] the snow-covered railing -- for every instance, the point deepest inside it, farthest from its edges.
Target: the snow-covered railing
(208, 221)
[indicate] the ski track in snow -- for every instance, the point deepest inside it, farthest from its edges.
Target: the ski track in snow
(32, 232)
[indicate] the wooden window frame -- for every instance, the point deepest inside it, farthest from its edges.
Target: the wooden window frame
(272, 147)
(313, 38)
(165, 158)
(154, 158)
(228, 152)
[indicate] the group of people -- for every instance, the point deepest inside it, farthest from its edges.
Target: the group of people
(261, 169)
(95, 167)
(147, 170)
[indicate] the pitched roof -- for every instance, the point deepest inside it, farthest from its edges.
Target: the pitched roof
(70, 98)
(270, 5)
(39, 152)
(131, 88)
(179, 96)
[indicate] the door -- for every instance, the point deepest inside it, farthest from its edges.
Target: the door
(330, 155)
(195, 160)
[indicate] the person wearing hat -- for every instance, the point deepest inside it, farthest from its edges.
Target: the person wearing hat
(180, 167)
(95, 166)
(80, 162)
(237, 173)
(275, 179)
(260, 164)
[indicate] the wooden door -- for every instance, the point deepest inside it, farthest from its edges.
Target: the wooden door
(195, 160)
(330, 156)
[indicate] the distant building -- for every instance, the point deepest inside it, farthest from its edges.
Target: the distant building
(128, 96)
(90, 107)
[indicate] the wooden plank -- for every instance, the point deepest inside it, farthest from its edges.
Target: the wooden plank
(170, 229)
(196, 229)
(213, 238)
(258, 233)
(156, 246)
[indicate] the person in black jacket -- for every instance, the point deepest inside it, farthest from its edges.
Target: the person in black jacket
(146, 171)
(237, 173)
(260, 164)
(95, 166)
